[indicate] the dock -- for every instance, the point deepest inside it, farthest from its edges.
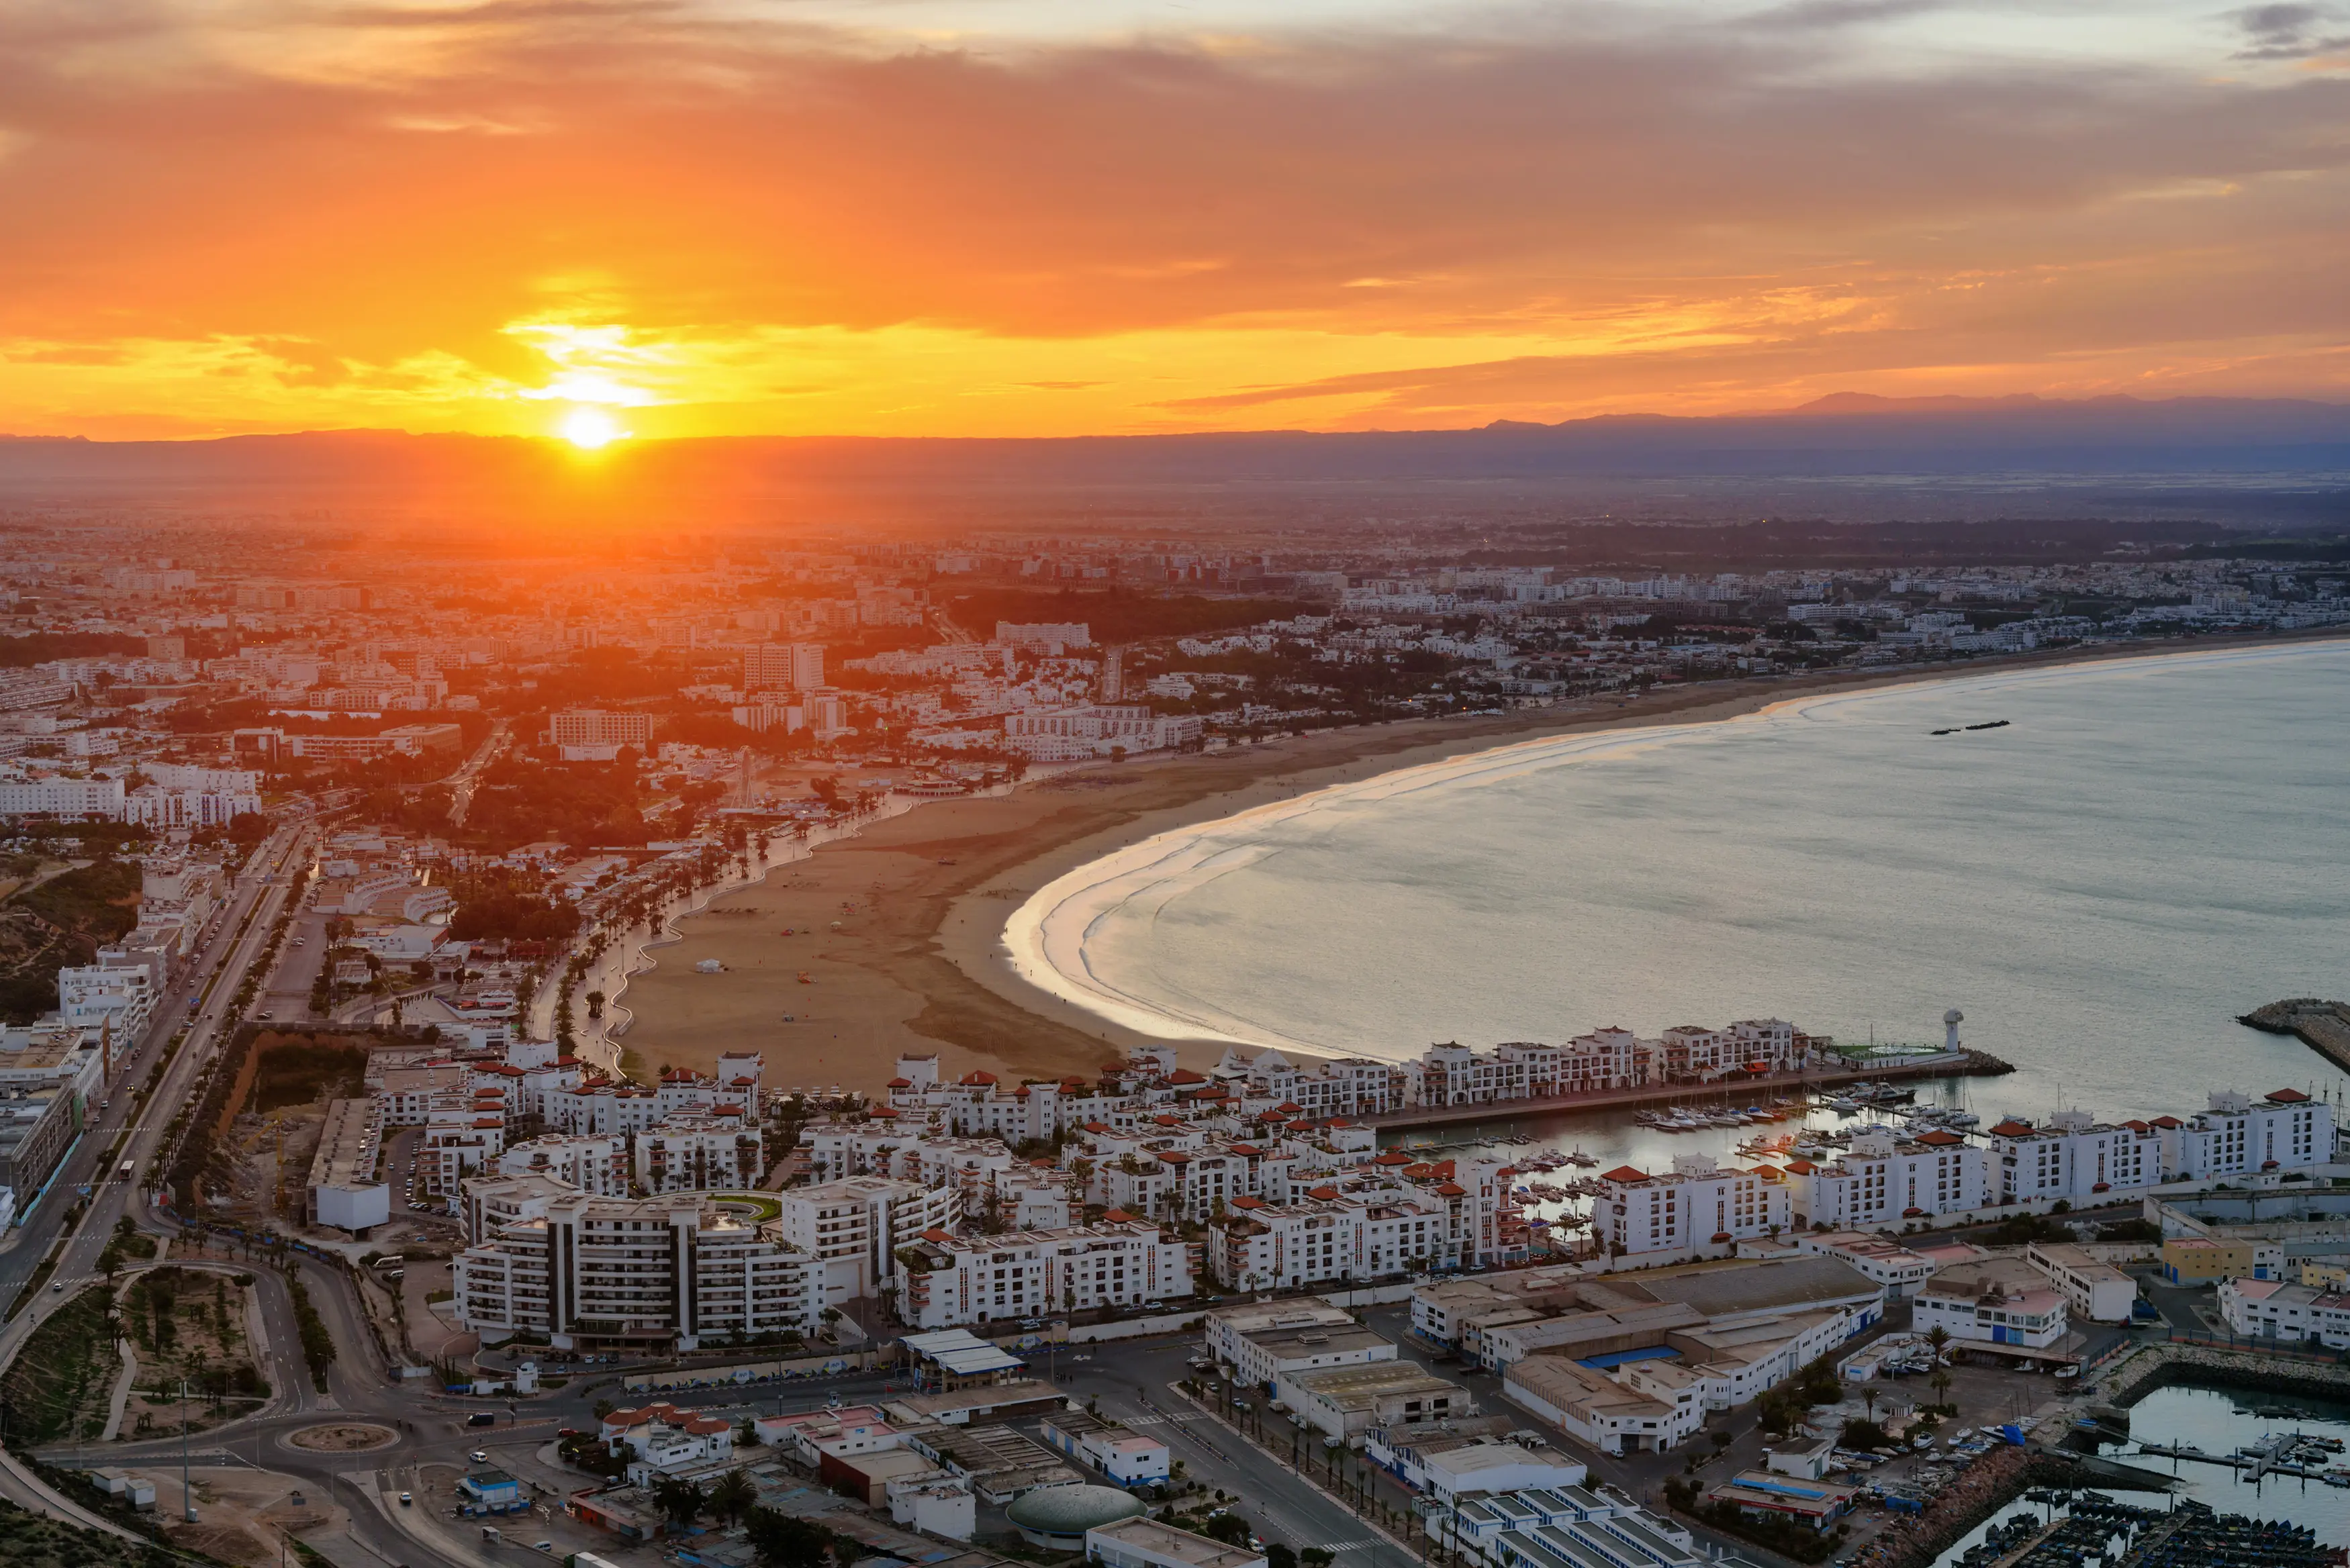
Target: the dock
(2322, 1026)
(1744, 1089)
(2271, 1455)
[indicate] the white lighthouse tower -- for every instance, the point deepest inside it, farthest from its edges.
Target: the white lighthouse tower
(1951, 1022)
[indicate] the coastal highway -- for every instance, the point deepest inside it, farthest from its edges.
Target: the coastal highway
(231, 946)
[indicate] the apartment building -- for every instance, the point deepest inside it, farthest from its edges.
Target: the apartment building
(2236, 1135)
(1692, 1053)
(1350, 1086)
(597, 734)
(784, 666)
(1265, 1246)
(697, 1154)
(944, 1280)
(2075, 1158)
(1882, 1179)
(1696, 1209)
(855, 1227)
(642, 1274)
(600, 1166)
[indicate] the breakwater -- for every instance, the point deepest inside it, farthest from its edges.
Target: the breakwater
(2322, 1026)
(2160, 1365)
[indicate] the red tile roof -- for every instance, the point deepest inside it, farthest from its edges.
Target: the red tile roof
(1625, 1173)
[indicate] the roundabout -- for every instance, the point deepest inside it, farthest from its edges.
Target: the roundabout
(341, 1437)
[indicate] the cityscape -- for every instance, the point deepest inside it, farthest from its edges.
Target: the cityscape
(1174, 784)
(332, 900)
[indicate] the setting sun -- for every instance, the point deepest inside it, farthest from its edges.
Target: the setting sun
(590, 429)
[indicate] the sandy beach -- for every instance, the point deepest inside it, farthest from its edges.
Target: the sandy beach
(896, 943)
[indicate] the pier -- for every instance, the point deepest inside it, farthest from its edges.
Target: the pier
(1743, 1089)
(2277, 1454)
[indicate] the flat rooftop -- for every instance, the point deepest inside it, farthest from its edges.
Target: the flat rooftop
(1321, 1339)
(350, 1146)
(1166, 1540)
(1372, 1380)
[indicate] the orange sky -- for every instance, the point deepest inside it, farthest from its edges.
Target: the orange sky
(1030, 217)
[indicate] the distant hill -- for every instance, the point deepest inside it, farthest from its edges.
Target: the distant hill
(1846, 434)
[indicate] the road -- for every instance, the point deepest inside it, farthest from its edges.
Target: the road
(229, 950)
(231, 946)
(463, 781)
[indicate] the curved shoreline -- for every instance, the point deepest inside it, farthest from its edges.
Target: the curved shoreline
(919, 965)
(1039, 961)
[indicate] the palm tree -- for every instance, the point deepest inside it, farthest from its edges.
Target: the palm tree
(733, 1495)
(678, 1500)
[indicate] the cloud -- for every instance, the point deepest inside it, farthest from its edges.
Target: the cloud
(1543, 216)
(2286, 32)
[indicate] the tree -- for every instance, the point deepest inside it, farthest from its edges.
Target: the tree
(781, 1542)
(1278, 1555)
(1230, 1528)
(733, 1495)
(678, 1500)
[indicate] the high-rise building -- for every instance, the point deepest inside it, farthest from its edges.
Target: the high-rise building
(593, 734)
(783, 666)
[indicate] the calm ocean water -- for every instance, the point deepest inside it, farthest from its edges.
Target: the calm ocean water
(2146, 850)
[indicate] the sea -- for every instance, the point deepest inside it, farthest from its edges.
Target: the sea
(2219, 1422)
(2099, 865)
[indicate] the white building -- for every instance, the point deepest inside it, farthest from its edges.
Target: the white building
(599, 1165)
(697, 1154)
(2284, 1130)
(636, 1273)
(1997, 1301)
(1614, 1416)
(2274, 1310)
(943, 1280)
(1450, 1469)
(1882, 1180)
(97, 999)
(595, 734)
(1697, 1210)
(1266, 1355)
(855, 1228)
(2075, 1158)
(2095, 1291)
(59, 796)
(784, 666)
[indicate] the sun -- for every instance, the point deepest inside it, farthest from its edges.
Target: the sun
(590, 429)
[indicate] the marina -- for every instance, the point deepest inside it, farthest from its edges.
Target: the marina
(1692, 1105)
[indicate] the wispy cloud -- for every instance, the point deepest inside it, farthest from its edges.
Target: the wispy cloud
(1349, 222)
